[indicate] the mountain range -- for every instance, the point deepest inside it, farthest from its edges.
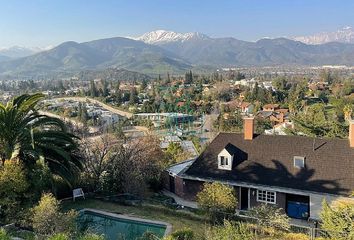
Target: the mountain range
(166, 51)
(344, 35)
(18, 52)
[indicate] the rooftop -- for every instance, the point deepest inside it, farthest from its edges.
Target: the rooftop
(268, 160)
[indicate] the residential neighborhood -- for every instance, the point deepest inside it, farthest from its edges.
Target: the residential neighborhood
(177, 120)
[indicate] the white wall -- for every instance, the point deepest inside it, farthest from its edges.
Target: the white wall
(225, 154)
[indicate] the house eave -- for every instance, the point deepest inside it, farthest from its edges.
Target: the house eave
(259, 186)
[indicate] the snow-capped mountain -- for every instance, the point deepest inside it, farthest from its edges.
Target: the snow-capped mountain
(19, 51)
(162, 36)
(344, 35)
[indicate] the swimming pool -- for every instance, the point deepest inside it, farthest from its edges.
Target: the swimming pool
(117, 226)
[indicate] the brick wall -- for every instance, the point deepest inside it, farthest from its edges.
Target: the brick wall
(166, 180)
(191, 189)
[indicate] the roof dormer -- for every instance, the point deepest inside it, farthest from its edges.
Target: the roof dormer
(225, 159)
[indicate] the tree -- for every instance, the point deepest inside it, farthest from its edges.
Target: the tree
(133, 96)
(143, 85)
(99, 155)
(268, 216)
(217, 198)
(105, 91)
(280, 83)
(176, 152)
(13, 185)
(93, 89)
(325, 76)
(338, 219)
(239, 76)
(29, 137)
(314, 122)
(188, 79)
(131, 167)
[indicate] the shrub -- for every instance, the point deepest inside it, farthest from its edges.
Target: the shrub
(91, 236)
(48, 220)
(217, 197)
(295, 236)
(148, 236)
(4, 235)
(229, 230)
(59, 236)
(183, 234)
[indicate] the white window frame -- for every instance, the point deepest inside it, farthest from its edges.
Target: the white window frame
(264, 199)
(226, 160)
(299, 158)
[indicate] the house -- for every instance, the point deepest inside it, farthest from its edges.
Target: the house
(241, 106)
(246, 107)
(270, 107)
(294, 173)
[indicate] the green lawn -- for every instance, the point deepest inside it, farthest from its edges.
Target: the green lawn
(179, 219)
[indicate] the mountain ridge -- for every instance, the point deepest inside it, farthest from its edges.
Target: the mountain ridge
(343, 35)
(176, 53)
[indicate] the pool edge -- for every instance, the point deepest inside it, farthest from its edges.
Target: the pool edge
(122, 216)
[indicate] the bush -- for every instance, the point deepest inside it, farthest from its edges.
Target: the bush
(229, 230)
(48, 220)
(269, 217)
(295, 236)
(217, 197)
(4, 235)
(184, 234)
(59, 236)
(91, 236)
(148, 236)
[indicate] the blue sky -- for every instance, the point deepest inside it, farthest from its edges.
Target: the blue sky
(50, 22)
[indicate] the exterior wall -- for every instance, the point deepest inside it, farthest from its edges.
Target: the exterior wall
(179, 186)
(166, 180)
(280, 199)
(191, 189)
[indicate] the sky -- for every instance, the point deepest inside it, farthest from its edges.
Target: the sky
(40, 23)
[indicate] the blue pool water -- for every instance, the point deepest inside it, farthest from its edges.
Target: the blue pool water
(118, 228)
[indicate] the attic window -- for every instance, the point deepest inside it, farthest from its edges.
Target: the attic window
(224, 161)
(299, 162)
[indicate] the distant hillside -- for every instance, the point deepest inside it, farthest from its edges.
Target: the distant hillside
(176, 53)
(112, 74)
(344, 35)
(4, 58)
(99, 54)
(265, 52)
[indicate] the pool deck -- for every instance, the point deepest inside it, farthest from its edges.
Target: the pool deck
(126, 217)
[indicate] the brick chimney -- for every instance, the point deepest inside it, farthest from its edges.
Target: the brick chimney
(351, 133)
(248, 128)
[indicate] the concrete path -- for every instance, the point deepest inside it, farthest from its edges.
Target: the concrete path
(179, 200)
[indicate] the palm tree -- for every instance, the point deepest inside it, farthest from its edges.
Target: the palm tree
(30, 137)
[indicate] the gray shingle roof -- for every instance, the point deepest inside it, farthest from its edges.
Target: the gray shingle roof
(268, 160)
